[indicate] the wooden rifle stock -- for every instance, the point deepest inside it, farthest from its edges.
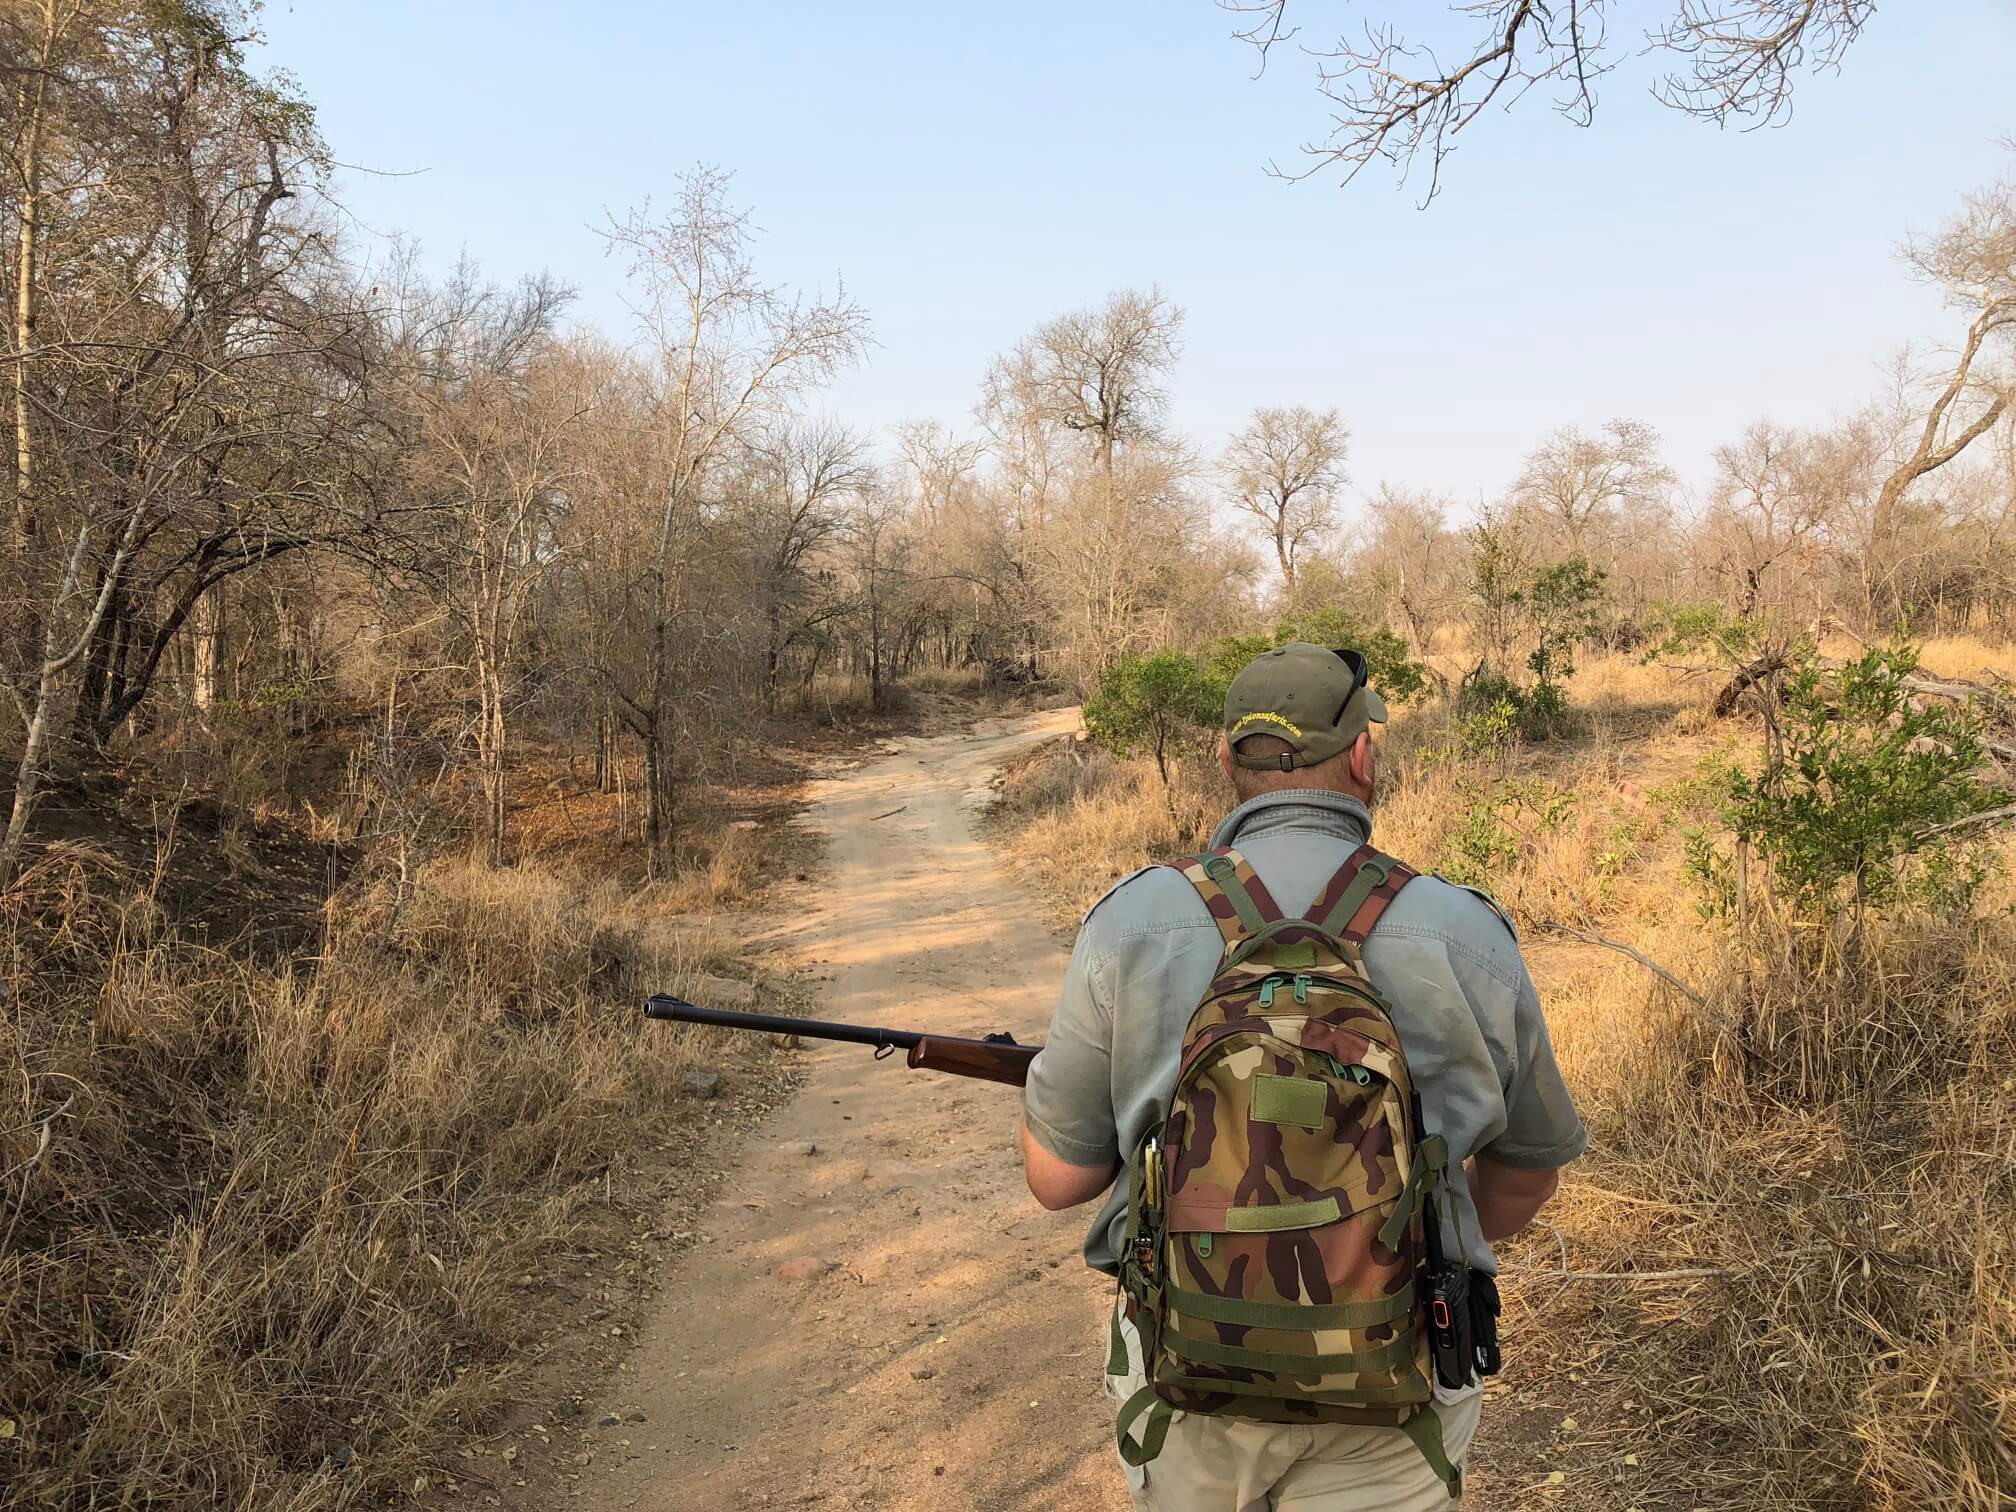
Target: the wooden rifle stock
(986, 1059)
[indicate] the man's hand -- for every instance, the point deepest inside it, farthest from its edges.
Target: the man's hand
(1508, 1197)
(1058, 1183)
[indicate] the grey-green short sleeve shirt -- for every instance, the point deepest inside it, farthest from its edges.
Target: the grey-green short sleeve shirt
(1446, 961)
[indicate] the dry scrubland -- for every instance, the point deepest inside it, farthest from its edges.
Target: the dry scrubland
(1836, 1144)
(268, 1249)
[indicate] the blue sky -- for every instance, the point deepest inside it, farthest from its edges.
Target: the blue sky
(971, 169)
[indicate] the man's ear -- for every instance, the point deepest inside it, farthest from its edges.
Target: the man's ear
(1225, 758)
(1362, 762)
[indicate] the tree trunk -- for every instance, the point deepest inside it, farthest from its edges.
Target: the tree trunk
(605, 750)
(56, 660)
(206, 649)
(33, 114)
(654, 803)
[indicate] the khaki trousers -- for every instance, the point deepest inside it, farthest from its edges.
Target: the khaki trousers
(1212, 1464)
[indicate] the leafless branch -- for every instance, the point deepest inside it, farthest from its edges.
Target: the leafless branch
(1742, 55)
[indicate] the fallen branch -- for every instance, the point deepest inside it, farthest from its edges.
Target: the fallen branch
(1969, 821)
(1746, 678)
(41, 1149)
(1587, 938)
(897, 810)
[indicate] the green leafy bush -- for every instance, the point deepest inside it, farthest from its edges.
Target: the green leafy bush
(1563, 601)
(1853, 811)
(1487, 843)
(1154, 703)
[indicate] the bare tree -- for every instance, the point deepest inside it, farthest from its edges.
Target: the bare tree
(492, 423)
(63, 641)
(1412, 559)
(878, 547)
(727, 349)
(1395, 101)
(1972, 260)
(1579, 483)
(1284, 469)
(1775, 494)
(800, 476)
(1099, 372)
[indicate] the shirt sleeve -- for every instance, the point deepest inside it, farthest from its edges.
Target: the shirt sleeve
(1542, 1128)
(1068, 1102)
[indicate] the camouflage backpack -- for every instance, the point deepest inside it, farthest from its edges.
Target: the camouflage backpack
(1275, 1230)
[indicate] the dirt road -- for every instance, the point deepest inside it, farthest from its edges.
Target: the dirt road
(950, 1357)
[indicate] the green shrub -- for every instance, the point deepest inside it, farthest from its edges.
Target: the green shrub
(1153, 703)
(1859, 786)
(1563, 602)
(1487, 844)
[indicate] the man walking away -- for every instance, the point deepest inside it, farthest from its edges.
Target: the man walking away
(1301, 1224)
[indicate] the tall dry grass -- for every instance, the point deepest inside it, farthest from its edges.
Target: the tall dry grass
(1831, 1139)
(1835, 1139)
(260, 1227)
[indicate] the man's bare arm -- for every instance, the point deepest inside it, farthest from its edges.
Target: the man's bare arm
(1058, 1183)
(1508, 1197)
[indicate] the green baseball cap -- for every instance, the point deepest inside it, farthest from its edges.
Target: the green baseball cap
(1312, 697)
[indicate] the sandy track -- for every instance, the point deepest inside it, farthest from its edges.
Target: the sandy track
(951, 1357)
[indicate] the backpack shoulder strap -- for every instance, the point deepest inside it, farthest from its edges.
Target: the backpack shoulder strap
(1239, 901)
(1351, 901)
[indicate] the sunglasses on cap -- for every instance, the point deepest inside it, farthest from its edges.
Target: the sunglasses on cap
(1355, 660)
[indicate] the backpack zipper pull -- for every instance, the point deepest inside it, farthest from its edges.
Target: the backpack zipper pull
(1302, 980)
(1267, 993)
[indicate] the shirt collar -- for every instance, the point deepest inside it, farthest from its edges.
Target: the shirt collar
(1329, 813)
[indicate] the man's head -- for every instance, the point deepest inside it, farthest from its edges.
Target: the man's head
(1300, 716)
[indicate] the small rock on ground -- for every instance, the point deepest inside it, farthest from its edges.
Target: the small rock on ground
(703, 1083)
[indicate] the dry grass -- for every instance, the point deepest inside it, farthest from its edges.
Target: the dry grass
(1949, 656)
(1077, 819)
(1836, 1140)
(1839, 1143)
(259, 1228)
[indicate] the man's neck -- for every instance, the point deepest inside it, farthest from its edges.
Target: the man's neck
(1323, 810)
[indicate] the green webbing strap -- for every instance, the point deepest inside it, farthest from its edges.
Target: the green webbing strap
(1275, 1217)
(1206, 1308)
(1225, 872)
(1431, 1157)
(1369, 875)
(1116, 1348)
(1258, 940)
(1425, 1429)
(1154, 1427)
(1293, 1366)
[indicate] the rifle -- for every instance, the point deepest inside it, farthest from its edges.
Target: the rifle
(995, 1058)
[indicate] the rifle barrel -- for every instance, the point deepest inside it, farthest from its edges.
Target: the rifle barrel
(663, 1005)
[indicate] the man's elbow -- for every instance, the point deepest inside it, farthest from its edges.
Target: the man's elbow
(1055, 1182)
(1052, 1194)
(1509, 1197)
